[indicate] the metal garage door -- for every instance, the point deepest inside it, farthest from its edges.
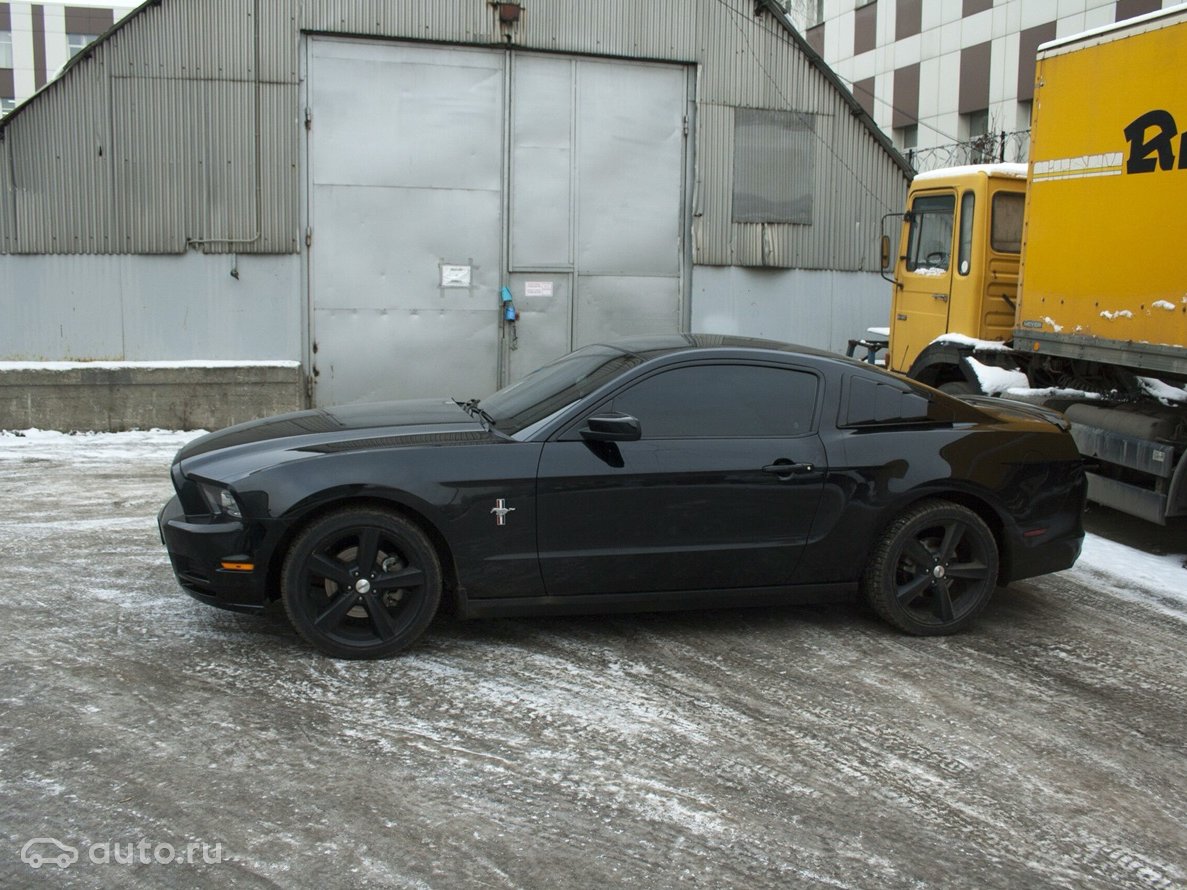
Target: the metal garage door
(438, 176)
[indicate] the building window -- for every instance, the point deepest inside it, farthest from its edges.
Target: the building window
(6, 49)
(1024, 110)
(975, 123)
(774, 166)
(6, 105)
(983, 148)
(76, 43)
(907, 137)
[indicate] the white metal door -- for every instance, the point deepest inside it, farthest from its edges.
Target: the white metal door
(406, 186)
(597, 203)
(437, 176)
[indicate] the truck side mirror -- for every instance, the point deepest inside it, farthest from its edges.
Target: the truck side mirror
(885, 246)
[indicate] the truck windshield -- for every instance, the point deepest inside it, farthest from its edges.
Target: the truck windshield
(930, 241)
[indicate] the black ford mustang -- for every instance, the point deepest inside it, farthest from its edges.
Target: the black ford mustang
(656, 473)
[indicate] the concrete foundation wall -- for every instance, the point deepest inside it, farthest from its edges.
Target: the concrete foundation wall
(820, 309)
(111, 398)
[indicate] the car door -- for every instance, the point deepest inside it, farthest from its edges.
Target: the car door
(718, 492)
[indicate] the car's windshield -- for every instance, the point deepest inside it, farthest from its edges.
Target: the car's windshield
(546, 390)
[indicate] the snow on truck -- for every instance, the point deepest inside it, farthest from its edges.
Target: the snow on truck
(1065, 281)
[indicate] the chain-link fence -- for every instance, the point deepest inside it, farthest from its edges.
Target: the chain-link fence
(991, 148)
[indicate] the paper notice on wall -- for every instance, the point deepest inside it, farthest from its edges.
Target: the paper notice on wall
(455, 276)
(537, 288)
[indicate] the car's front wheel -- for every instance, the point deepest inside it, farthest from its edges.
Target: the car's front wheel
(933, 570)
(361, 583)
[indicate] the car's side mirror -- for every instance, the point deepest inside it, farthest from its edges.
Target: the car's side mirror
(611, 428)
(885, 247)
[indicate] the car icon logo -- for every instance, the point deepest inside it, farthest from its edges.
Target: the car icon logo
(42, 850)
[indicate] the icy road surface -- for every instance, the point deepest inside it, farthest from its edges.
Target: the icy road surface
(749, 748)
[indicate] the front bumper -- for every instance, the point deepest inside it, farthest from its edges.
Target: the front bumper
(197, 551)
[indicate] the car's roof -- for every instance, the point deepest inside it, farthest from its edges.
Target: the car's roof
(655, 345)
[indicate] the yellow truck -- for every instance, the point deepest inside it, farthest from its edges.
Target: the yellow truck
(1065, 280)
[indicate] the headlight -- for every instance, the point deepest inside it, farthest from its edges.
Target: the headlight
(220, 500)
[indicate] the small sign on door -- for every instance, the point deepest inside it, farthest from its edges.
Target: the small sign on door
(537, 288)
(455, 276)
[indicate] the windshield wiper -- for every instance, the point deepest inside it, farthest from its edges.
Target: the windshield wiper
(475, 410)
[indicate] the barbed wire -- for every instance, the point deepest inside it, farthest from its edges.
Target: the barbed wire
(990, 148)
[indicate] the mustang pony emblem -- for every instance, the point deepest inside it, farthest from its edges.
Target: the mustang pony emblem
(500, 509)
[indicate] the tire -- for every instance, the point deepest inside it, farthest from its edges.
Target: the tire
(361, 583)
(933, 570)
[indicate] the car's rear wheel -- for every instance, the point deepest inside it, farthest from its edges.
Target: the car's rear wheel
(933, 570)
(361, 583)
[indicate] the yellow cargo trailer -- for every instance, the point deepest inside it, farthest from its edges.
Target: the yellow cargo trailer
(1077, 297)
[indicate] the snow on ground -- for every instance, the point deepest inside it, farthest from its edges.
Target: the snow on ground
(119, 366)
(1127, 572)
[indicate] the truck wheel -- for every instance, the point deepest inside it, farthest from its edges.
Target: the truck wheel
(959, 388)
(933, 570)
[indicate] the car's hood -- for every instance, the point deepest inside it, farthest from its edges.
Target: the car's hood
(326, 430)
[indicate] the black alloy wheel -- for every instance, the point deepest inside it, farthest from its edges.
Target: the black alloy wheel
(933, 570)
(361, 583)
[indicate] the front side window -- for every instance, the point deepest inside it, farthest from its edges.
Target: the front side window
(1006, 227)
(929, 243)
(721, 401)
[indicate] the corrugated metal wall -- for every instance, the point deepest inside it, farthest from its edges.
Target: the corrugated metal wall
(182, 128)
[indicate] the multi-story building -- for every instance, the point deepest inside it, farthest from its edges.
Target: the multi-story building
(37, 39)
(951, 80)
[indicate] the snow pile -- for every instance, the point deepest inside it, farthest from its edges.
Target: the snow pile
(147, 445)
(1163, 391)
(1164, 304)
(1013, 171)
(962, 340)
(1129, 574)
(119, 366)
(995, 381)
(1123, 313)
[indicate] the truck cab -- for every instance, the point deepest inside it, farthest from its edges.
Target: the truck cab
(956, 271)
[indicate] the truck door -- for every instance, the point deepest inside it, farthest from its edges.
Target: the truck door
(924, 276)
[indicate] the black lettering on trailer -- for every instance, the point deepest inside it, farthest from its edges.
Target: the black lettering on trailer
(1142, 150)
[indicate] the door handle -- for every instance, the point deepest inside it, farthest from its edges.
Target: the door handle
(941, 297)
(785, 469)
